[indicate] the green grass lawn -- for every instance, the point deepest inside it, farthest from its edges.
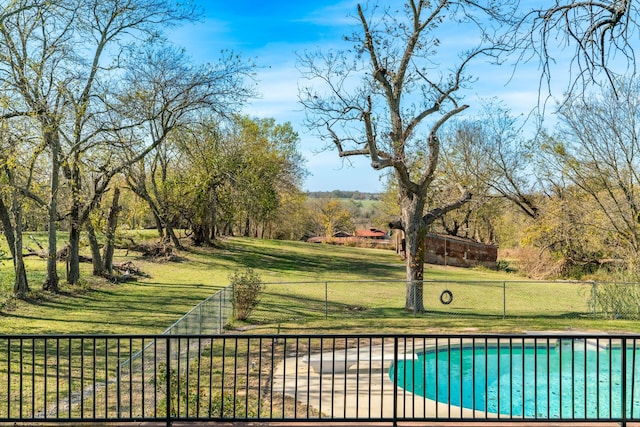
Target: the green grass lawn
(363, 288)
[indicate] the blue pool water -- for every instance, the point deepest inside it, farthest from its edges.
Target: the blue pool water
(568, 380)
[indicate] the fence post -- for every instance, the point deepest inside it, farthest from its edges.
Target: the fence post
(504, 300)
(118, 390)
(168, 384)
(414, 291)
(594, 297)
(623, 422)
(220, 311)
(326, 300)
(395, 380)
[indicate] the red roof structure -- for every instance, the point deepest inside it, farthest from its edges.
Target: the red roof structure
(372, 233)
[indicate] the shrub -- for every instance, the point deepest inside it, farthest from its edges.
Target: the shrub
(247, 287)
(617, 300)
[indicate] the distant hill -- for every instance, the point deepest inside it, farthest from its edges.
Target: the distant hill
(343, 194)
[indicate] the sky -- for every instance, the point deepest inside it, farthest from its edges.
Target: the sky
(272, 33)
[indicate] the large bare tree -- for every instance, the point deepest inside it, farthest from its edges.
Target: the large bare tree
(387, 97)
(57, 57)
(602, 33)
(101, 32)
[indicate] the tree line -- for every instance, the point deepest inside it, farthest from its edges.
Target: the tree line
(95, 100)
(103, 120)
(567, 196)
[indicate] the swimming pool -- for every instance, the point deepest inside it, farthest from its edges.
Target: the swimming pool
(546, 379)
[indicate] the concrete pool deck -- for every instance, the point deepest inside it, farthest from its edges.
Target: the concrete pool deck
(331, 383)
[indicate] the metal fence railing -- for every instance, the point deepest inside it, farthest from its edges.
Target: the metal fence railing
(335, 299)
(525, 378)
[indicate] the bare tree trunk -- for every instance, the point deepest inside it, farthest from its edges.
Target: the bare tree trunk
(13, 236)
(213, 217)
(415, 234)
(52, 281)
(112, 223)
(171, 234)
(7, 227)
(96, 258)
(246, 227)
(73, 255)
(21, 285)
(159, 226)
(200, 235)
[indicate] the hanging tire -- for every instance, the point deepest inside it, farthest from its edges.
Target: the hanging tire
(446, 297)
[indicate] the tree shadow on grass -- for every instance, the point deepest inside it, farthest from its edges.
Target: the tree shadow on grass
(278, 307)
(313, 258)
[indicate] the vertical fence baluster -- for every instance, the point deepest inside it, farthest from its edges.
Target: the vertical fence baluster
(8, 377)
(274, 342)
(33, 378)
(284, 375)
(319, 373)
(142, 378)
(346, 367)
(308, 356)
(130, 364)
(247, 389)
(210, 412)
(198, 377)
(106, 377)
(573, 378)
(633, 379)
(57, 377)
(21, 386)
(222, 376)
(69, 364)
(260, 342)
(118, 385)
(610, 368)
(623, 382)
(395, 380)
(168, 393)
(44, 364)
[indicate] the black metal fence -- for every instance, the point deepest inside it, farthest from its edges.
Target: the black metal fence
(74, 378)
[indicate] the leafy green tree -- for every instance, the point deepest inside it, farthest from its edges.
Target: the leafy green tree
(569, 231)
(330, 216)
(55, 67)
(169, 97)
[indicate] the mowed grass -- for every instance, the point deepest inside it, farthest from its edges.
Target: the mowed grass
(153, 303)
(346, 290)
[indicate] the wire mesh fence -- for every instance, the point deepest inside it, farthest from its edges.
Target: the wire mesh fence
(499, 299)
(209, 318)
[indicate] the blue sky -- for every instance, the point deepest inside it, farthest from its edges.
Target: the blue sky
(273, 31)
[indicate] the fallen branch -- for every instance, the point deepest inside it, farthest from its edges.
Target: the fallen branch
(151, 250)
